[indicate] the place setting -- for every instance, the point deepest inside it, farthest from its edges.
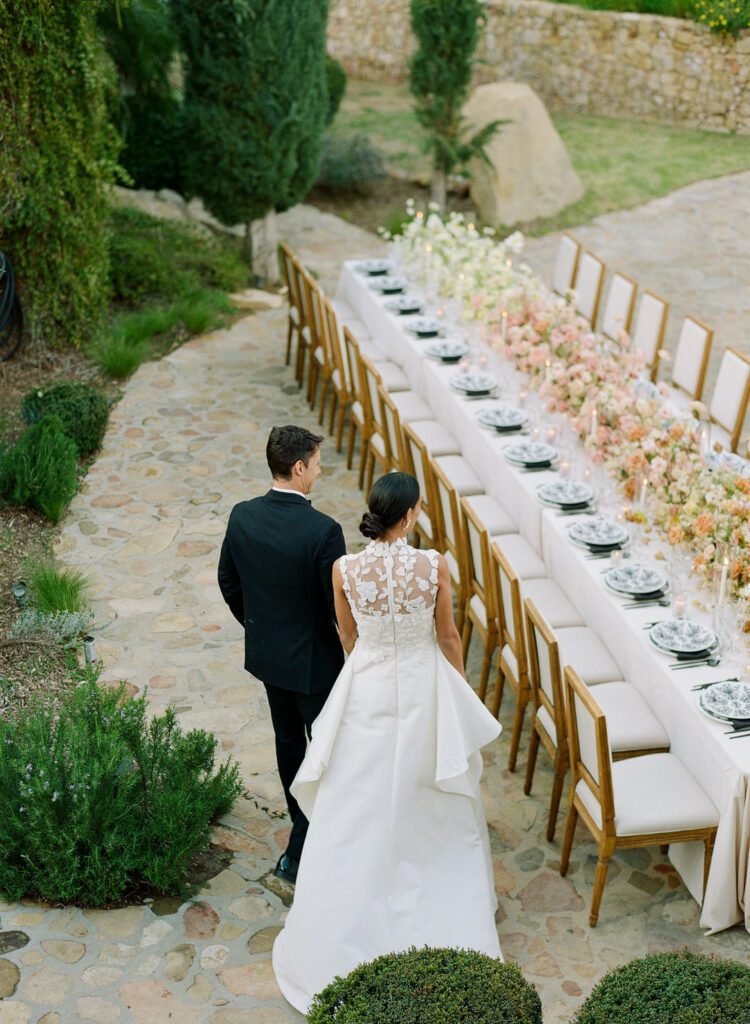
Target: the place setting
(404, 305)
(642, 585)
(503, 419)
(473, 384)
(568, 497)
(373, 268)
(447, 352)
(532, 456)
(727, 701)
(388, 284)
(691, 643)
(425, 327)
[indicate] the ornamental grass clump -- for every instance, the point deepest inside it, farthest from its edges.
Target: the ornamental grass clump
(41, 470)
(56, 589)
(671, 988)
(99, 803)
(429, 986)
(83, 412)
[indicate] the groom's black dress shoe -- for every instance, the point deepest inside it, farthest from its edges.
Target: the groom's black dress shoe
(287, 868)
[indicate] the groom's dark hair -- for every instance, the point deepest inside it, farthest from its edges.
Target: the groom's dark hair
(287, 445)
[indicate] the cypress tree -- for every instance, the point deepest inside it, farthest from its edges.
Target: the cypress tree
(255, 107)
(440, 74)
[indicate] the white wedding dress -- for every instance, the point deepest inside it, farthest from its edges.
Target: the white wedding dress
(397, 853)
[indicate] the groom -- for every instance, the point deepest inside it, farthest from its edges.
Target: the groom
(275, 575)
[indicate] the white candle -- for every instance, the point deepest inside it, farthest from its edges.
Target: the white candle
(504, 328)
(644, 494)
(564, 468)
(594, 423)
(548, 370)
(522, 395)
(461, 280)
(723, 581)
(680, 606)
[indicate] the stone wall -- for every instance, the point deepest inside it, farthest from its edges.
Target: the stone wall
(638, 66)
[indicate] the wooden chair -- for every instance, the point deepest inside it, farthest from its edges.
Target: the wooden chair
(357, 421)
(618, 309)
(731, 393)
(294, 327)
(320, 361)
(566, 264)
(480, 611)
(398, 408)
(341, 395)
(643, 801)
(453, 478)
(307, 318)
(377, 449)
(417, 459)
(635, 729)
(588, 286)
(691, 357)
(650, 325)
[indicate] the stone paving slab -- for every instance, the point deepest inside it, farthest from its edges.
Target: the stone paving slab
(184, 444)
(692, 247)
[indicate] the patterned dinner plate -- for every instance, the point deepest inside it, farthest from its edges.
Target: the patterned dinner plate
(729, 462)
(728, 701)
(530, 453)
(503, 417)
(566, 492)
(404, 304)
(388, 285)
(448, 351)
(473, 383)
(598, 532)
(374, 267)
(635, 580)
(425, 327)
(681, 636)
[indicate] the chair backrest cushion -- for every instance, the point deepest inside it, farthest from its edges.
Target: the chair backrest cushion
(619, 307)
(588, 285)
(649, 326)
(690, 357)
(565, 264)
(730, 390)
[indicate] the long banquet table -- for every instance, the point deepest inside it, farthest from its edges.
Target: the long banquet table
(720, 765)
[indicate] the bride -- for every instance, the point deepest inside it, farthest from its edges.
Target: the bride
(397, 853)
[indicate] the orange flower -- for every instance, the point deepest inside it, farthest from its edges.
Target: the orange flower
(637, 433)
(676, 431)
(676, 534)
(703, 524)
(742, 483)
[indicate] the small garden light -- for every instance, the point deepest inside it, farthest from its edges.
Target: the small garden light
(21, 593)
(89, 649)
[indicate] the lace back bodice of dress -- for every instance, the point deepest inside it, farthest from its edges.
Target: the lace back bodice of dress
(392, 590)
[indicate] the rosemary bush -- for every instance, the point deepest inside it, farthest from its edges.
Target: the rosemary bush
(97, 801)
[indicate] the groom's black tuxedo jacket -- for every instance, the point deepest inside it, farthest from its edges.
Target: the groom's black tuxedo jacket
(275, 575)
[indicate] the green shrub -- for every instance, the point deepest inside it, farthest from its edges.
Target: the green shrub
(59, 153)
(98, 801)
(336, 83)
(671, 988)
(429, 986)
(724, 16)
(350, 163)
(115, 355)
(41, 470)
(62, 628)
(54, 589)
(83, 412)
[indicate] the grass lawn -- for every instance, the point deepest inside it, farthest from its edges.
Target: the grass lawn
(621, 163)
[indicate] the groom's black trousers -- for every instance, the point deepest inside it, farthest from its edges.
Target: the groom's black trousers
(292, 715)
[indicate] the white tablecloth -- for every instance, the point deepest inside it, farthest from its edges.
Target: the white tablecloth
(720, 765)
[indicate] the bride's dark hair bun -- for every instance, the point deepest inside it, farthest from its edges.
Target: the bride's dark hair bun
(389, 500)
(372, 526)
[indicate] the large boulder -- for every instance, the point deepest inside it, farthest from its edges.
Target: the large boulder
(529, 173)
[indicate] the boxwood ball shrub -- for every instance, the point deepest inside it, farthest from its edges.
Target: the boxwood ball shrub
(671, 988)
(350, 163)
(83, 412)
(429, 986)
(41, 470)
(97, 801)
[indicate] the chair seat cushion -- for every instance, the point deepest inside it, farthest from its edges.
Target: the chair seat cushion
(580, 647)
(369, 349)
(410, 406)
(491, 514)
(436, 438)
(460, 474)
(377, 442)
(392, 376)
(336, 378)
(294, 315)
(551, 602)
(524, 560)
(631, 724)
(453, 569)
(546, 720)
(653, 794)
(319, 355)
(425, 525)
(358, 412)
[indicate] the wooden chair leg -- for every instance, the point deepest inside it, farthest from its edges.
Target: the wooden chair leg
(708, 852)
(363, 462)
(570, 830)
(340, 425)
(561, 770)
(324, 382)
(332, 410)
(515, 739)
(664, 849)
(466, 633)
(350, 449)
(289, 333)
(601, 878)
(499, 688)
(531, 763)
(312, 384)
(370, 472)
(489, 647)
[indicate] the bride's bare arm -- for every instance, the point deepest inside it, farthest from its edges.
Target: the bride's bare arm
(448, 637)
(344, 617)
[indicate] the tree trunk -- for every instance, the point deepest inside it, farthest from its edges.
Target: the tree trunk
(247, 244)
(265, 254)
(439, 188)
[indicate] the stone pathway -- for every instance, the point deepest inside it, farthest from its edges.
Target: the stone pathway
(692, 247)
(185, 443)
